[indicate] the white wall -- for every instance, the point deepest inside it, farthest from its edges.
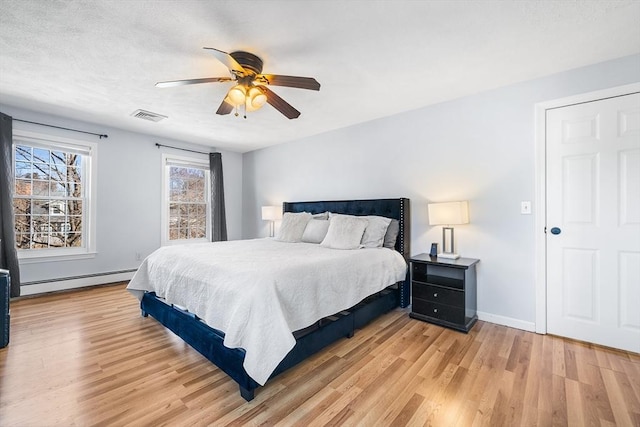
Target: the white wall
(479, 148)
(128, 198)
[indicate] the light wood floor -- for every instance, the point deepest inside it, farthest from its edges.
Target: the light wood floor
(87, 358)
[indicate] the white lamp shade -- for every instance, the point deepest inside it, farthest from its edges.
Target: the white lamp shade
(449, 213)
(271, 213)
(256, 98)
(237, 95)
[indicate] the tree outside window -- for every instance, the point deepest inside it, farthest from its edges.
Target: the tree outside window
(187, 203)
(49, 198)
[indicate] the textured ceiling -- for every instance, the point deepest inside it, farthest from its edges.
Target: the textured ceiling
(98, 61)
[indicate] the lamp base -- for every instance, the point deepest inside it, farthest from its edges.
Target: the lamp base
(448, 255)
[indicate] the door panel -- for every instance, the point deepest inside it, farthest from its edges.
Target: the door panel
(593, 198)
(580, 284)
(629, 291)
(580, 192)
(630, 187)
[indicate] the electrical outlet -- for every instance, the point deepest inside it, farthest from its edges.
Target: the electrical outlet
(525, 208)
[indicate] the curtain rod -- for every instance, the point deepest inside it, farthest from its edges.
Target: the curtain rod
(183, 149)
(100, 135)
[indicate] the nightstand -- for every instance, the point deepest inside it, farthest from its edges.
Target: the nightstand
(443, 291)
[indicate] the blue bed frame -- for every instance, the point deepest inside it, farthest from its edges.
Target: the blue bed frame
(209, 341)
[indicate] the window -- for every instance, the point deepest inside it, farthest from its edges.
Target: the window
(186, 200)
(51, 196)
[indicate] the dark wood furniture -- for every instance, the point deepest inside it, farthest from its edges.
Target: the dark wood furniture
(444, 291)
(209, 341)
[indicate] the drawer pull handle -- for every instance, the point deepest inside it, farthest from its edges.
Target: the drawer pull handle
(435, 310)
(435, 295)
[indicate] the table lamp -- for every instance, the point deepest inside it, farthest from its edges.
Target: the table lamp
(447, 214)
(272, 214)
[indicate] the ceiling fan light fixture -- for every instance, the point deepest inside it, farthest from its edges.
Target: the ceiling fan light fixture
(256, 98)
(237, 95)
(250, 91)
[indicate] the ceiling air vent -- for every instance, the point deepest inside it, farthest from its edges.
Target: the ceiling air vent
(148, 115)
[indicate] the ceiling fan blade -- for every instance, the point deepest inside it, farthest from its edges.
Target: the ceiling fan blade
(291, 81)
(227, 60)
(279, 104)
(224, 108)
(193, 81)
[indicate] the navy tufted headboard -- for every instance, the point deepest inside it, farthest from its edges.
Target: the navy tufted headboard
(391, 208)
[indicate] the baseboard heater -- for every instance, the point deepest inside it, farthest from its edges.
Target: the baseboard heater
(36, 287)
(85, 276)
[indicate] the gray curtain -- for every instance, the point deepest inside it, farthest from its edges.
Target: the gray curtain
(218, 216)
(8, 252)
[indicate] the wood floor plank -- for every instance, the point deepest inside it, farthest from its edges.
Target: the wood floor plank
(88, 358)
(335, 408)
(393, 401)
(312, 408)
(620, 412)
(576, 411)
(559, 358)
(407, 411)
(373, 392)
(559, 401)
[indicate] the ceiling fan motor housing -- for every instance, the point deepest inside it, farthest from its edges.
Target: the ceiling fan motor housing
(248, 61)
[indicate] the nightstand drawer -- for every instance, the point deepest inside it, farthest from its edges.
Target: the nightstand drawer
(438, 311)
(438, 294)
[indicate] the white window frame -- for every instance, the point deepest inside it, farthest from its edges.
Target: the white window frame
(169, 160)
(89, 151)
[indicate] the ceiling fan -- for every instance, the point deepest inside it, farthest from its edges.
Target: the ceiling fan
(251, 91)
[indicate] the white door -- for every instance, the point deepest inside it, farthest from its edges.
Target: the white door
(593, 221)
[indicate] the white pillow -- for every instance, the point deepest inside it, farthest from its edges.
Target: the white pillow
(321, 215)
(345, 232)
(292, 227)
(374, 233)
(316, 231)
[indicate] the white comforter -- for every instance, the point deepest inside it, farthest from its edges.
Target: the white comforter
(259, 291)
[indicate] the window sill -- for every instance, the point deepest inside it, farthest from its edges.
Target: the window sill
(34, 259)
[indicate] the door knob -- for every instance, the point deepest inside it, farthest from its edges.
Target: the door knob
(556, 230)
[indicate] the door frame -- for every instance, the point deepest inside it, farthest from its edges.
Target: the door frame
(540, 209)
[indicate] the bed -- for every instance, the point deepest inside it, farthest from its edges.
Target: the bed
(247, 357)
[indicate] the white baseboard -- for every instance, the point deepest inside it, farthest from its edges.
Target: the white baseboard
(81, 282)
(507, 321)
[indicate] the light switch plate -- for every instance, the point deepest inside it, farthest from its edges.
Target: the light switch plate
(525, 208)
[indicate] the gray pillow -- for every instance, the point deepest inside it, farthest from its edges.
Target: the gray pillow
(345, 232)
(292, 227)
(316, 231)
(374, 233)
(321, 215)
(391, 234)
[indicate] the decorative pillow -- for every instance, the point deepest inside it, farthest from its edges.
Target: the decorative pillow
(374, 233)
(316, 231)
(292, 227)
(392, 234)
(345, 232)
(322, 215)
